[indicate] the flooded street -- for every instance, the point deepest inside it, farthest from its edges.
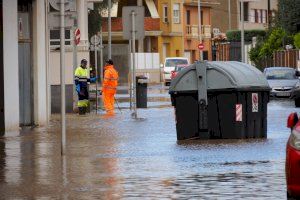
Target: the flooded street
(119, 158)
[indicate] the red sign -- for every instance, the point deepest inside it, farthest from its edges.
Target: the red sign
(77, 36)
(201, 46)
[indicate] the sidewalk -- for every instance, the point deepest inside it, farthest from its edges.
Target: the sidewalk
(157, 96)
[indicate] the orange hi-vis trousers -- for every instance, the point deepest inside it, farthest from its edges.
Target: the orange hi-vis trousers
(109, 101)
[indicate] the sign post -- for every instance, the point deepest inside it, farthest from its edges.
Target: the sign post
(95, 41)
(62, 77)
(133, 29)
(76, 41)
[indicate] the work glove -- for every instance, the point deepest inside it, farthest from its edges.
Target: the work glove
(78, 88)
(94, 79)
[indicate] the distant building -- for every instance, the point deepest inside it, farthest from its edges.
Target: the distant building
(190, 29)
(256, 13)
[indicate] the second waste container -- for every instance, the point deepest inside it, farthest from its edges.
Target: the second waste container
(141, 91)
(220, 100)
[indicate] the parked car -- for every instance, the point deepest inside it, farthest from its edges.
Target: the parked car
(169, 66)
(292, 164)
(177, 69)
(282, 80)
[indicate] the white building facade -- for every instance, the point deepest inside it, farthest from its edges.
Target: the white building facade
(29, 62)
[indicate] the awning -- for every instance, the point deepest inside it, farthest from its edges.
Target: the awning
(113, 12)
(152, 8)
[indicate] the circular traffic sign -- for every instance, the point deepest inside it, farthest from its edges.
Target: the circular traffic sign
(95, 40)
(77, 36)
(201, 46)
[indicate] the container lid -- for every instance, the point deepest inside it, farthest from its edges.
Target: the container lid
(221, 75)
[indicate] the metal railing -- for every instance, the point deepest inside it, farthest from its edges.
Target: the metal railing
(192, 31)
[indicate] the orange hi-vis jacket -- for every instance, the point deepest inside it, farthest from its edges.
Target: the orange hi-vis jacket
(110, 81)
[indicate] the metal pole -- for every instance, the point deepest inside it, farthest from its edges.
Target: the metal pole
(96, 74)
(75, 99)
(200, 29)
(130, 72)
(133, 65)
(269, 14)
(229, 14)
(109, 29)
(101, 58)
(242, 32)
(62, 77)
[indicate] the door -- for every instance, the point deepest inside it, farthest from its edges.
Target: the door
(25, 69)
(187, 54)
(164, 51)
(2, 125)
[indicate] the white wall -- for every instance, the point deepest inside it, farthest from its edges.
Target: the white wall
(10, 62)
(40, 63)
(54, 64)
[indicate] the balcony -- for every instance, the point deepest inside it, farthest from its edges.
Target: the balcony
(207, 3)
(191, 31)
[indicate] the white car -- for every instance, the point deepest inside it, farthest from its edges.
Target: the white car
(169, 66)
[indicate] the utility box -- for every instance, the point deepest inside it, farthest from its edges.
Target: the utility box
(220, 100)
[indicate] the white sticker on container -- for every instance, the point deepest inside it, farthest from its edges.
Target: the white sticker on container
(238, 112)
(254, 102)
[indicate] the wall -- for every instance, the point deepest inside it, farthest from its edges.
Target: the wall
(10, 63)
(54, 65)
(219, 15)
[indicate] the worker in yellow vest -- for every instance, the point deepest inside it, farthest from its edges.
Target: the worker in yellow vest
(82, 81)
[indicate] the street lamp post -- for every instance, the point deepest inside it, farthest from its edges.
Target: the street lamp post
(109, 29)
(242, 31)
(200, 29)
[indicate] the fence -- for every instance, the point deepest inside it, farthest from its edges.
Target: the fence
(283, 58)
(287, 58)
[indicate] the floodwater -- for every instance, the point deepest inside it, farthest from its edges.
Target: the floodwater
(120, 158)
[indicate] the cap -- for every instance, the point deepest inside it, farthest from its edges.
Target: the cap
(83, 61)
(109, 61)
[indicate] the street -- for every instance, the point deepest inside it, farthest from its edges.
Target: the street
(120, 158)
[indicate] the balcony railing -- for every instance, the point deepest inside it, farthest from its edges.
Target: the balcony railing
(192, 31)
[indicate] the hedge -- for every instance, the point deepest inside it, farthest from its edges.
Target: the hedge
(235, 35)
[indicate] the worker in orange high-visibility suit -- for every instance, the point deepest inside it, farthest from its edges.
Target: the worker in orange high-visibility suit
(109, 87)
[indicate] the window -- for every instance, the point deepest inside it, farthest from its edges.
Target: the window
(176, 13)
(165, 13)
(252, 15)
(55, 37)
(188, 17)
(264, 16)
(259, 15)
(246, 11)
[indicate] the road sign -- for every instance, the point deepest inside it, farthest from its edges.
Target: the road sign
(139, 12)
(95, 40)
(77, 36)
(70, 5)
(201, 46)
(54, 20)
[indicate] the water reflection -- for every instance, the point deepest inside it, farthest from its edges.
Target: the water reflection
(120, 158)
(2, 160)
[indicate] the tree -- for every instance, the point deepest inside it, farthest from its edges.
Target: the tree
(289, 15)
(95, 18)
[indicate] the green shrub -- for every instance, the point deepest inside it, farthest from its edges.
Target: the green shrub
(235, 35)
(297, 40)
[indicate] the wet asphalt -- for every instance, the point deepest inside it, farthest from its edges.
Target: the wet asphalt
(121, 158)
